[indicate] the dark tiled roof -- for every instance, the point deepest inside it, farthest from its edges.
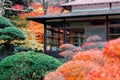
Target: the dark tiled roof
(72, 15)
(84, 2)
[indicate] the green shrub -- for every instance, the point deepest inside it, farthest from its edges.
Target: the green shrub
(27, 66)
(9, 33)
(14, 33)
(4, 22)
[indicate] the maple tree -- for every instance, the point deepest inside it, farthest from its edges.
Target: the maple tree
(73, 70)
(93, 64)
(93, 42)
(68, 51)
(53, 75)
(90, 55)
(112, 48)
(34, 27)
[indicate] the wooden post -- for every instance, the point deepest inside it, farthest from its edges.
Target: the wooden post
(107, 28)
(65, 31)
(45, 31)
(110, 5)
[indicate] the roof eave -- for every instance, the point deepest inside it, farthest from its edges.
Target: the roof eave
(42, 19)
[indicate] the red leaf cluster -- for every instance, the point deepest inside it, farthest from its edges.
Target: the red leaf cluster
(112, 48)
(17, 7)
(109, 71)
(76, 70)
(93, 64)
(91, 55)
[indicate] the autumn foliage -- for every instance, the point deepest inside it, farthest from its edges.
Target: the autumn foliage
(37, 29)
(68, 51)
(112, 48)
(91, 55)
(93, 64)
(93, 42)
(107, 72)
(17, 7)
(75, 70)
(53, 75)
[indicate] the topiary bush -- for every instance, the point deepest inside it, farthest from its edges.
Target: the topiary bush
(14, 33)
(8, 33)
(93, 42)
(4, 22)
(27, 66)
(68, 51)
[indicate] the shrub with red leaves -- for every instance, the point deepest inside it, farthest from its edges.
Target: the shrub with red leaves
(76, 70)
(112, 48)
(68, 47)
(17, 7)
(68, 51)
(111, 68)
(106, 72)
(54, 76)
(93, 42)
(90, 55)
(67, 54)
(93, 64)
(94, 38)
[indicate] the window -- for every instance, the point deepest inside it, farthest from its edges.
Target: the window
(54, 37)
(114, 29)
(114, 32)
(97, 23)
(76, 35)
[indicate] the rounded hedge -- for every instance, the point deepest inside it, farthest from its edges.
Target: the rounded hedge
(27, 66)
(14, 33)
(4, 22)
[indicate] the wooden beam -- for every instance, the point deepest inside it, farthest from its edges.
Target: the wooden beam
(65, 30)
(45, 31)
(107, 28)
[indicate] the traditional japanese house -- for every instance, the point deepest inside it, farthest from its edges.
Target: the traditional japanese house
(86, 18)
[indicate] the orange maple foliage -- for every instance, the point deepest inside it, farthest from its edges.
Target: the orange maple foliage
(85, 65)
(76, 70)
(67, 47)
(51, 10)
(66, 11)
(58, 11)
(37, 29)
(107, 72)
(53, 76)
(91, 55)
(112, 48)
(17, 7)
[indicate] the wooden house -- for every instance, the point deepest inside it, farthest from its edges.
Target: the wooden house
(86, 18)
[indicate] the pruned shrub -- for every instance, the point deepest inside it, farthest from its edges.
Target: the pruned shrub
(72, 70)
(112, 48)
(8, 33)
(14, 33)
(90, 55)
(107, 72)
(92, 64)
(4, 22)
(54, 76)
(68, 51)
(93, 42)
(27, 66)
(94, 38)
